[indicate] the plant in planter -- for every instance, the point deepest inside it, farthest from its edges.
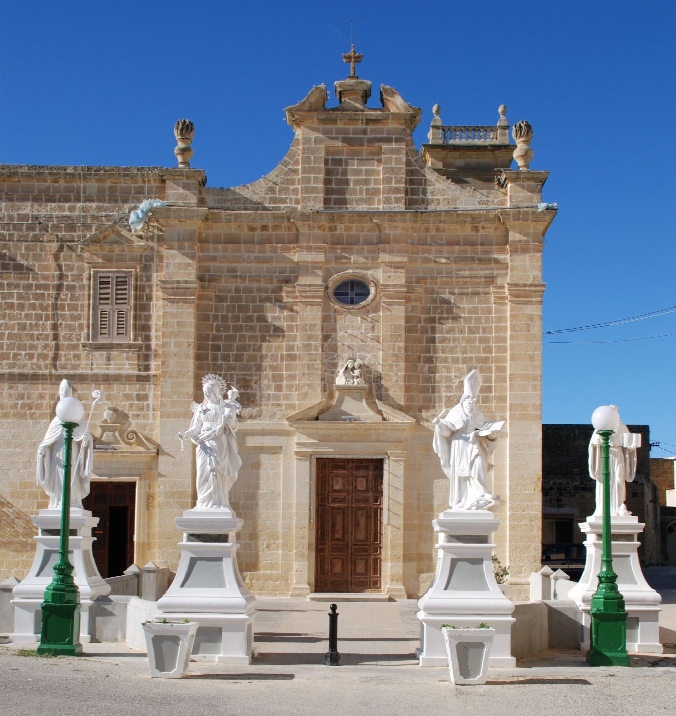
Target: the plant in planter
(169, 646)
(501, 574)
(469, 651)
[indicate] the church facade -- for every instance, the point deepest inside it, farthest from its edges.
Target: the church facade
(415, 266)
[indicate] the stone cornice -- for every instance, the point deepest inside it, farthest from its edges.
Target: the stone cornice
(353, 430)
(179, 290)
(178, 216)
(76, 174)
(183, 175)
(36, 377)
(527, 219)
(525, 292)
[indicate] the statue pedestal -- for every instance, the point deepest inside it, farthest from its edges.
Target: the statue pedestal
(640, 599)
(464, 592)
(209, 589)
(29, 594)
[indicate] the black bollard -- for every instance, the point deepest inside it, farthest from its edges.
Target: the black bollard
(332, 656)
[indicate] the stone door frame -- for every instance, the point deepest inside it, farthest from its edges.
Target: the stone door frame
(387, 442)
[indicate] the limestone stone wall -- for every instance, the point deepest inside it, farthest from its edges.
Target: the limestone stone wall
(238, 281)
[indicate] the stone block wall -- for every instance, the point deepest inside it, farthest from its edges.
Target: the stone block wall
(238, 281)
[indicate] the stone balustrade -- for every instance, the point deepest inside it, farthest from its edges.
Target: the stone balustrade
(472, 135)
(469, 135)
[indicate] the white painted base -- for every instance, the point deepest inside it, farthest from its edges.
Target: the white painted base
(208, 588)
(29, 594)
(641, 600)
(220, 638)
(464, 592)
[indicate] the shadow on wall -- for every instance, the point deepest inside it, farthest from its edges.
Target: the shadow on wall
(16, 529)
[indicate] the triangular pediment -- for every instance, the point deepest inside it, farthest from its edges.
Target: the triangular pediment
(349, 405)
(112, 236)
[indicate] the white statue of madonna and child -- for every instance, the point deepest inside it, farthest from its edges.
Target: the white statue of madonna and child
(212, 430)
(464, 441)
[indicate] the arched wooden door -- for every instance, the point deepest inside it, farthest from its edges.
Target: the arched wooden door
(349, 538)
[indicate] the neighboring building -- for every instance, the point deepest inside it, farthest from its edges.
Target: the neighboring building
(569, 496)
(663, 472)
(423, 265)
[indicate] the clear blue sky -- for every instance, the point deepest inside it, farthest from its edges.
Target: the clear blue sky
(103, 83)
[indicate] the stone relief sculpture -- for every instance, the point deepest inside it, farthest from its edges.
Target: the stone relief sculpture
(51, 455)
(352, 373)
(212, 430)
(463, 440)
(623, 459)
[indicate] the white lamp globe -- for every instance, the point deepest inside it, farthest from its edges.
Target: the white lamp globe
(69, 410)
(605, 418)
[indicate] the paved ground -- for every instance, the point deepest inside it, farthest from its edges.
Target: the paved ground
(378, 674)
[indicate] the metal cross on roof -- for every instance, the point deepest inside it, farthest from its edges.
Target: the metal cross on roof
(352, 57)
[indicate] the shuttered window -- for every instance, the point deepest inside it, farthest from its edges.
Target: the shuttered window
(111, 306)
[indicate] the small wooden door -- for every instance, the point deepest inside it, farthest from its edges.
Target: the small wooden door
(349, 525)
(114, 504)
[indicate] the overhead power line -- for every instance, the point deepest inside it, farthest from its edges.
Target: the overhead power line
(606, 324)
(659, 444)
(618, 340)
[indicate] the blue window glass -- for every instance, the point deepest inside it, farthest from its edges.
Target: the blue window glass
(351, 292)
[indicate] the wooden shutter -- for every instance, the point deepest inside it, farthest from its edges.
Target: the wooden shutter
(112, 307)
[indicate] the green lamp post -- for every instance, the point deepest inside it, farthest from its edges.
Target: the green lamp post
(60, 632)
(608, 643)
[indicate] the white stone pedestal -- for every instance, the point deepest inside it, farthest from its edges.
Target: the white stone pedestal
(29, 594)
(640, 599)
(209, 589)
(464, 592)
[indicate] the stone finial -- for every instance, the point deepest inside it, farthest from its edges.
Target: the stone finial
(523, 136)
(434, 135)
(184, 131)
(503, 125)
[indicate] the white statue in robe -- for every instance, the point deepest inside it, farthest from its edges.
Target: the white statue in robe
(623, 459)
(213, 428)
(463, 440)
(352, 373)
(51, 456)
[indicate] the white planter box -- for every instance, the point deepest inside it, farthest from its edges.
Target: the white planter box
(169, 647)
(469, 651)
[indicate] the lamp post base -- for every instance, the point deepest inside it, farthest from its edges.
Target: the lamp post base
(60, 630)
(608, 628)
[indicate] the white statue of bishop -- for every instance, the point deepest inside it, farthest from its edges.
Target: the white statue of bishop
(51, 456)
(463, 440)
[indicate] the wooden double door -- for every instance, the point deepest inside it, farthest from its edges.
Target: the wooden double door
(114, 504)
(349, 537)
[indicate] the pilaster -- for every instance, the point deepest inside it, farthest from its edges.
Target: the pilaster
(304, 524)
(393, 303)
(393, 557)
(310, 292)
(178, 292)
(524, 291)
